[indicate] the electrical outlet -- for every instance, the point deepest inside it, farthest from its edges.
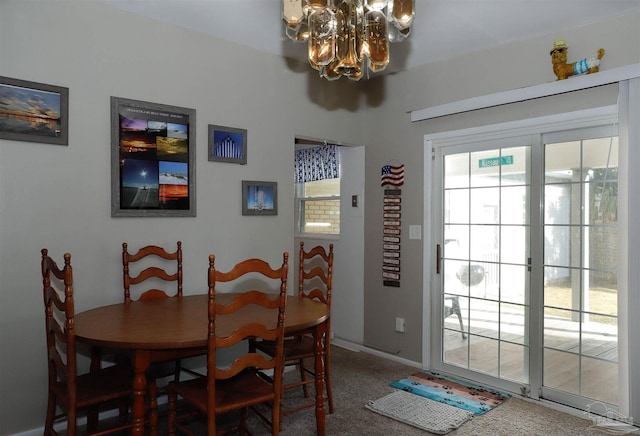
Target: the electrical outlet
(400, 325)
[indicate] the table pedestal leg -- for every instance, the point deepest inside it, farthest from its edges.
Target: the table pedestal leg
(141, 362)
(92, 414)
(319, 380)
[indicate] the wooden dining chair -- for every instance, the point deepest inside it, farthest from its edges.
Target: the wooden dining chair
(315, 281)
(240, 385)
(153, 273)
(68, 391)
(149, 274)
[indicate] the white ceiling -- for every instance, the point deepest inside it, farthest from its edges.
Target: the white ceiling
(442, 29)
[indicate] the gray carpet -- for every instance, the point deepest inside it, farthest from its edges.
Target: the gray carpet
(360, 377)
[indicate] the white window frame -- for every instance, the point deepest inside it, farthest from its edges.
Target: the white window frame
(300, 198)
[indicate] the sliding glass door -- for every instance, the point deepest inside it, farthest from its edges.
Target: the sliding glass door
(580, 347)
(526, 251)
(485, 256)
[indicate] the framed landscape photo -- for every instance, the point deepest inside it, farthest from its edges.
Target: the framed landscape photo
(227, 144)
(259, 198)
(153, 155)
(34, 112)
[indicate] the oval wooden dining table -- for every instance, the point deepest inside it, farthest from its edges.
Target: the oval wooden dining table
(155, 330)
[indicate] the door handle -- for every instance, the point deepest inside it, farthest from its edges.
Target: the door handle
(437, 258)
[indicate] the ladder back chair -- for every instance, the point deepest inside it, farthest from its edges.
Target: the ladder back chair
(315, 281)
(68, 391)
(241, 385)
(145, 254)
(153, 273)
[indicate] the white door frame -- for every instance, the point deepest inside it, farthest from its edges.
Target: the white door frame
(535, 126)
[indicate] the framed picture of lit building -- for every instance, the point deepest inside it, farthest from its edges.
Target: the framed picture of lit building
(227, 144)
(259, 198)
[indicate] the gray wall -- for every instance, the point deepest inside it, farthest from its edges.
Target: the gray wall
(391, 137)
(59, 197)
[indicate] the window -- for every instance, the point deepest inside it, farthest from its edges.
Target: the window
(317, 181)
(319, 206)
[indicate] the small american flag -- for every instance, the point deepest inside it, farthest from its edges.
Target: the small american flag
(392, 175)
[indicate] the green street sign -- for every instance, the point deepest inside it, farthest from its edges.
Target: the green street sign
(495, 161)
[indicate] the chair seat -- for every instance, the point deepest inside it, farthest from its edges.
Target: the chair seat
(297, 349)
(106, 384)
(246, 389)
(294, 348)
(299, 346)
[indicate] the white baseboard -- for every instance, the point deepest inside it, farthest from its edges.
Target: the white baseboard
(353, 346)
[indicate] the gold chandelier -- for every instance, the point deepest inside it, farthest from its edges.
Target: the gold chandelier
(343, 34)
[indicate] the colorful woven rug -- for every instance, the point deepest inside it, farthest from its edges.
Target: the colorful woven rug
(452, 391)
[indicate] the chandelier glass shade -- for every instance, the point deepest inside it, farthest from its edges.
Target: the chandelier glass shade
(347, 36)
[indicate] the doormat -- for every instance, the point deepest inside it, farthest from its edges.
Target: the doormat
(420, 412)
(454, 392)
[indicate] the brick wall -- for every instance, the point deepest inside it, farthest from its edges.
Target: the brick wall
(322, 211)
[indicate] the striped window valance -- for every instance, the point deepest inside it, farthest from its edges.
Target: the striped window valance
(317, 163)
